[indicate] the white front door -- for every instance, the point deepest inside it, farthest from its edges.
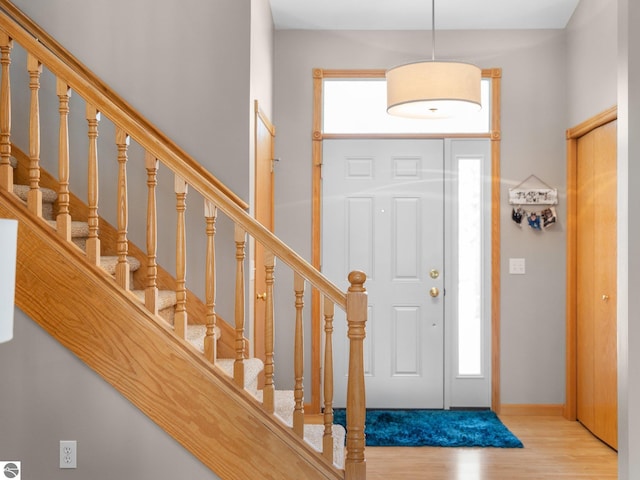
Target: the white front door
(383, 213)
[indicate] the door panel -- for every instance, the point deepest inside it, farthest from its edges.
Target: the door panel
(383, 214)
(596, 283)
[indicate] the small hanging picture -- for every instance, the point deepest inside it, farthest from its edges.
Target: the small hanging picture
(516, 215)
(534, 220)
(548, 217)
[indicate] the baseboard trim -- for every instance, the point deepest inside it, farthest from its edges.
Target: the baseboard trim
(533, 410)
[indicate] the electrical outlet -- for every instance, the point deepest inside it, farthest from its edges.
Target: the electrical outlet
(68, 454)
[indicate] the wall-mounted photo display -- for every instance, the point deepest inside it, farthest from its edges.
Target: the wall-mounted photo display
(533, 191)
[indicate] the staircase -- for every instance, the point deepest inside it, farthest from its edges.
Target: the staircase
(140, 327)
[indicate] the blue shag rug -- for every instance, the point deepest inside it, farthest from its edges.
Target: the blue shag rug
(434, 428)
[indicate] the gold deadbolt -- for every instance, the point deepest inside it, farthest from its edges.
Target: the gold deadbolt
(434, 273)
(434, 292)
(261, 296)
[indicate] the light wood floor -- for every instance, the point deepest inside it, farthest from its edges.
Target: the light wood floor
(554, 448)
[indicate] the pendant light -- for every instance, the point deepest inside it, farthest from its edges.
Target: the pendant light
(8, 240)
(432, 89)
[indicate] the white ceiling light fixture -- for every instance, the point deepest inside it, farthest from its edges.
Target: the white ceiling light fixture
(431, 89)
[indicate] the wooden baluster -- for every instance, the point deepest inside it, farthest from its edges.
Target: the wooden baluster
(269, 387)
(6, 171)
(93, 242)
(180, 320)
(298, 358)
(63, 220)
(151, 287)
(238, 366)
(327, 438)
(355, 466)
(122, 267)
(210, 340)
(34, 197)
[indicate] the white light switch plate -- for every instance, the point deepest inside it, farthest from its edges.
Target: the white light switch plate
(517, 266)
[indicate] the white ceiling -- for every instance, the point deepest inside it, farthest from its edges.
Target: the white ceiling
(416, 14)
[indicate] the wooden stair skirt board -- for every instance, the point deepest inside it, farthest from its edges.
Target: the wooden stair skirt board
(545, 409)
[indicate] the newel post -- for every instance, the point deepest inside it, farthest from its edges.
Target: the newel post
(355, 466)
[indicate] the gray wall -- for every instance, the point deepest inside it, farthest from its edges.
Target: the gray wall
(184, 65)
(628, 239)
(533, 124)
(49, 395)
(592, 71)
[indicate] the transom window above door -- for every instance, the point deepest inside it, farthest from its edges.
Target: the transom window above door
(358, 106)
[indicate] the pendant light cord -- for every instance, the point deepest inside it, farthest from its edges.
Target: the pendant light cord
(433, 30)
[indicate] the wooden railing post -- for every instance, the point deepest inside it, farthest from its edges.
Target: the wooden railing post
(180, 320)
(34, 197)
(327, 438)
(93, 241)
(298, 357)
(355, 466)
(63, 219)
(238, 366)
(122, 267)
(210, 340)
(269, 386)
(151, 286)
(6, 171)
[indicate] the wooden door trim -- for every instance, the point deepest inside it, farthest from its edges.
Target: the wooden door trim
(260, 118)
(573, 135)
(317, 138)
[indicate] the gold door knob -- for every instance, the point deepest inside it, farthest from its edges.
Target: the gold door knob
(261, 296)
(605, 297)
(434, 292)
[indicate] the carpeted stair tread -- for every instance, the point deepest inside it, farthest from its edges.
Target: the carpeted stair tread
(252, 368)
(313, 434)
(196, 333)
(78, 229)
(166, 298)
(284, 403)
(48, 195)
(48, 199)
(109, 262)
